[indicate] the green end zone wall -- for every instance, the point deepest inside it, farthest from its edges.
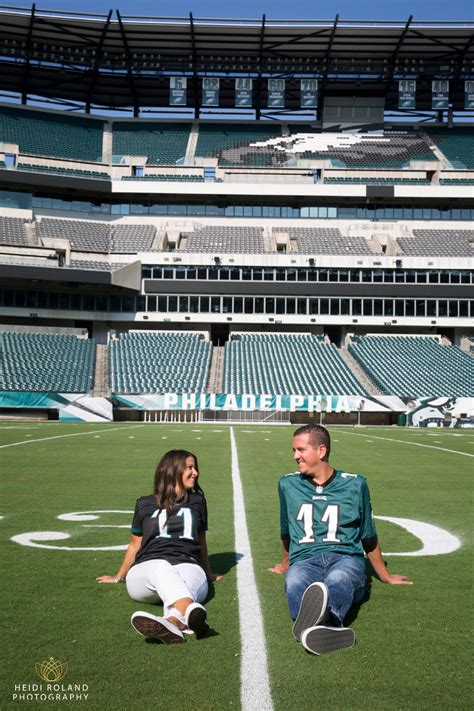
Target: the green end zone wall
(71, 407)
(421, 412)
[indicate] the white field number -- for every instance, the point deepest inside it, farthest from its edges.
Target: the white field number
(434, 540)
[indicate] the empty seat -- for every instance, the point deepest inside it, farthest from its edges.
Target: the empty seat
(286, 364)
(43, 362)
(52, 134)
(159, 363)
(410, 366)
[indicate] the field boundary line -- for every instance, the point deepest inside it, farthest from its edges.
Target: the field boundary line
(404, 441)
(72, 434)
(254, 681)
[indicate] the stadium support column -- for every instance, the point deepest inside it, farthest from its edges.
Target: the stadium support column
(26, 74)
(258, 109)
(195, 87)
(97, 60)
(325, 67)
(136, 108)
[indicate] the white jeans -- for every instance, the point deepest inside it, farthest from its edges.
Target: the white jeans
(155, 580)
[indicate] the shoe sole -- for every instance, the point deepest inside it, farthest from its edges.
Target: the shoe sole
(197, 621)
(325, 640)
(153, 629)
(312, 609)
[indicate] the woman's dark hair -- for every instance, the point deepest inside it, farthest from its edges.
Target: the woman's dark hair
(168, 485)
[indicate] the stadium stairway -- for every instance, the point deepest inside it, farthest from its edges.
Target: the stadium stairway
(192, 143)
(107, 148)
(215, 382)
(467, 345)
(359, 373)
(101, 371)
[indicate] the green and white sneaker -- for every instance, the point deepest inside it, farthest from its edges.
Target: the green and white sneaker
(325, 640)
(312, 610)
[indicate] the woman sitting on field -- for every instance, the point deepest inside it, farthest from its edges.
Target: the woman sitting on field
(167, 557)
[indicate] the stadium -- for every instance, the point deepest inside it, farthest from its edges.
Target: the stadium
(212, 226)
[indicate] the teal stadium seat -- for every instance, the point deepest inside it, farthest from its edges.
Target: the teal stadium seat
(159, 363)
(457, 144)
(286, 364)
(52, 135)
(231, 144)
(57, 170)
(162, 143)
(43, 362)
(410, 366)
(390, 150)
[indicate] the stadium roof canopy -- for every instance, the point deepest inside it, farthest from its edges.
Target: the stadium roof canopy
(117, 62)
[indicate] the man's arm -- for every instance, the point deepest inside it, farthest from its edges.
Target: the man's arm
(282, 567)
(374, 554)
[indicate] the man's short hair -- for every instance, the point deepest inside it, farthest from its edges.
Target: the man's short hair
(318, 435)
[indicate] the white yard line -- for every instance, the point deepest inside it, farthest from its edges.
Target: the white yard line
(254, 681)
(404, 441)
(74, 434)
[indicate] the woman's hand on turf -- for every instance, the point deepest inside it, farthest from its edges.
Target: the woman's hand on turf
(214, 577)
(279, 569)
(106, 579)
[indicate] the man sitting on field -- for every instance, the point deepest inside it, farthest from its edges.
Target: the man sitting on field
(326, 527)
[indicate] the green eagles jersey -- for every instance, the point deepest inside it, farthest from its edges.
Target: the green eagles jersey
(336, 516)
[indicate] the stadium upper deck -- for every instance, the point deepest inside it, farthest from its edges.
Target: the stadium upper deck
(126, 62)
(342, 198)
(323, 221)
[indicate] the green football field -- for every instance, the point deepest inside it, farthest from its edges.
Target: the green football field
(413, 642)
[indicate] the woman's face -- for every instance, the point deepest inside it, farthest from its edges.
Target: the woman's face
(190, 474)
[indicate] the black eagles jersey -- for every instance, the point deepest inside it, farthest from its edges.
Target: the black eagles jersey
(173, 537)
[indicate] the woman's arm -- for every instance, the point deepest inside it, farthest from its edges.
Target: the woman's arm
(128, 560)
(205, 559)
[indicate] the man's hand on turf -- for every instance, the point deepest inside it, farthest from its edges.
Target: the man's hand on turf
(106, 579)
(279, 569)
(394, 579)
(215, 577)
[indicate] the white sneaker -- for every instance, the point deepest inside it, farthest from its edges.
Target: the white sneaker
(154, 627)
(195, 619)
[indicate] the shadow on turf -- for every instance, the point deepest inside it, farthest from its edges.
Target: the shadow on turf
(224, 562)
(209, 633)
(354, 611)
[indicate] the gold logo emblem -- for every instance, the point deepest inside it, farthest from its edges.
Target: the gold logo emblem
(51, 670)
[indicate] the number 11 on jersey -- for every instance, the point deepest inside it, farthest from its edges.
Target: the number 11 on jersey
(330, 516)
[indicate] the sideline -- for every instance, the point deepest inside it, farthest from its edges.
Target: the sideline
(254, 682)
(404, 441)
(73, 434)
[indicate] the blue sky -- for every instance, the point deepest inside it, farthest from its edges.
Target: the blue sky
(455, 10)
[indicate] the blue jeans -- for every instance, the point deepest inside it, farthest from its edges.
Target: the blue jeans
(343, 575)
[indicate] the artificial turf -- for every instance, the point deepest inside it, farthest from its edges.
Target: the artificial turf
(412, 649)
